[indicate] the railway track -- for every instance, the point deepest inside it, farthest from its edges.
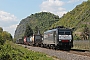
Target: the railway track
(73, 54)
(77, 51)
(80, 52)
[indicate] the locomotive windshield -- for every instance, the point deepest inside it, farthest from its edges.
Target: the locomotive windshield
(61, 32)
(67, 33)
(64, 32)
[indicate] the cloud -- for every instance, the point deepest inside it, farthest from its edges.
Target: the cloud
(4, 16)
(53, 6)
(8, 22)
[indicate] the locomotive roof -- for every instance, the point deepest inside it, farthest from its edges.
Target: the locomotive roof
(57, 29)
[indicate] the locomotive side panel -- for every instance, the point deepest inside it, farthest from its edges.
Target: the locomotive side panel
(50, 37)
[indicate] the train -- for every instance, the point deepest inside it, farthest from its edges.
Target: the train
(57, 38)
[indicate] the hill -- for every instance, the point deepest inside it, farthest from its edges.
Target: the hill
(40, 21)
(78, 18)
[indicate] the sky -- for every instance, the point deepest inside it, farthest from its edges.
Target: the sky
(13, 11)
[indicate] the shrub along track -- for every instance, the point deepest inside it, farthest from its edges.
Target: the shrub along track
(73, 54)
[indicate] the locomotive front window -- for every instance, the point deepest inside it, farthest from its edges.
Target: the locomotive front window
(61, 32)
(67, 33)
(64, 33)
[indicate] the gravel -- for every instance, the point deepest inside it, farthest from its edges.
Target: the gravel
(62, 55)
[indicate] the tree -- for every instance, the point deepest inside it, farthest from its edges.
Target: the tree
(1, 29)
(28, 31)
(1, 40)
(85, 33)
(36, 30)
(6, 36)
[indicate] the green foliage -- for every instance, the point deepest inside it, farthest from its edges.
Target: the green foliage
(1, 40)
(79, 15)
(1, 29)
(76, 37)
(28, 31)
(36, 29)
(85, 33)
(4, 36)
(10, 51)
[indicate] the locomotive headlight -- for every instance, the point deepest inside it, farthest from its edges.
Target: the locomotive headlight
(70, 40)
(59, 40)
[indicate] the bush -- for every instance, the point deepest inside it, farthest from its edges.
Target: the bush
(1, 40)
(10, 51)
(76, 37)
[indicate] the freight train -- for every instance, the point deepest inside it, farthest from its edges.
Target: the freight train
(58, 38)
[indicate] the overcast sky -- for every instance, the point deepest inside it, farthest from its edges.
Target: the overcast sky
(13, 11)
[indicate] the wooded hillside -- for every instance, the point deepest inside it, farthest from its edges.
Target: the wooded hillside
(78, 18)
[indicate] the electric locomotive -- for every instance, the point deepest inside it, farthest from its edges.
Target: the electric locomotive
(58, 38)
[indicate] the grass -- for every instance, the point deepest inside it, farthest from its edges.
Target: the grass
(81, 44)
(10, 51)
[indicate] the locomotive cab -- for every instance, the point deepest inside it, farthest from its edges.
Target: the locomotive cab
(65, 38)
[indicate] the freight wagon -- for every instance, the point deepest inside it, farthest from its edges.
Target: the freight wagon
(35, 40)
(19, 41)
